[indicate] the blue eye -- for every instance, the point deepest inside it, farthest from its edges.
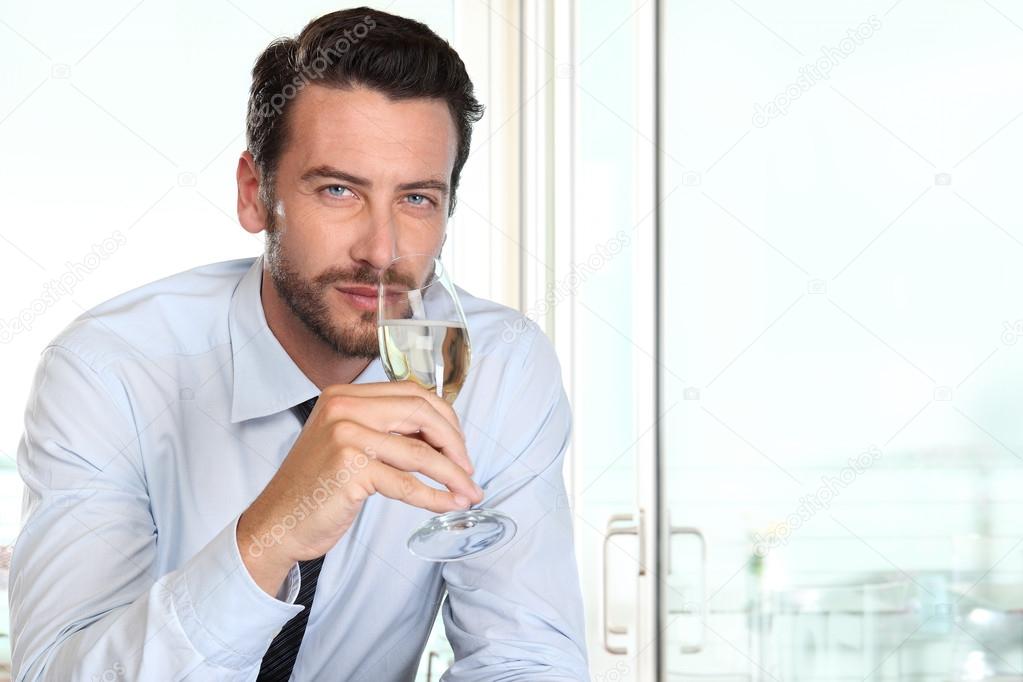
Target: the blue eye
(422, 197)
(336, 190)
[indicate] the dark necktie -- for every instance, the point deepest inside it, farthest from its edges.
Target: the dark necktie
(279, 659)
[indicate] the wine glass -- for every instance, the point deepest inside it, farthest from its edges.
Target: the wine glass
(424, 337)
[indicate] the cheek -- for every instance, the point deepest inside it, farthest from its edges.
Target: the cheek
(294, 245)
(421, 234)
(305, 227)
(317, 254)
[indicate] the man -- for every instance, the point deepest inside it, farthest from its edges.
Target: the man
(176, 506)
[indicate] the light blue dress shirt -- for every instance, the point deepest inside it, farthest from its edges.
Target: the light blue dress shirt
(158, 416)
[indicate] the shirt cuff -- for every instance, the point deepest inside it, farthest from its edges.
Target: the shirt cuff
(289, 588)
(229, 619)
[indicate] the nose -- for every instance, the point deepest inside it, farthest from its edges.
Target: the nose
(376, 247)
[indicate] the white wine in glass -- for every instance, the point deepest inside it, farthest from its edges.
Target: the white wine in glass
(424, 338)
(411, 348)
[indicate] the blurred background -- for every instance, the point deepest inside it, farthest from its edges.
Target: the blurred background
(774, 242)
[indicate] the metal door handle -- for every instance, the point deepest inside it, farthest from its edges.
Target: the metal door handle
(695, 532)
(634, 529)
(429, 665)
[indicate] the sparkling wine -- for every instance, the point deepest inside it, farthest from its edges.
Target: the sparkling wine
(433, 353)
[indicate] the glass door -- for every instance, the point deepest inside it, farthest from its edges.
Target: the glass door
(612, 356)
(840, 319)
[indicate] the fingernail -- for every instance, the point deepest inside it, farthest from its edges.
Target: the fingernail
(461, 501)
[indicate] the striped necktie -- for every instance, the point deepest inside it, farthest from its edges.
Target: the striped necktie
(279, 660)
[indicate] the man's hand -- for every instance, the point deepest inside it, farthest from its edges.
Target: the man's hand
(347, 451)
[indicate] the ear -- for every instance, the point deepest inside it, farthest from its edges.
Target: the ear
(251, 211)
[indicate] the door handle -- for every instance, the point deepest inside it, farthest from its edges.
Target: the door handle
(429, 665)
(696, 533)
(613, 530)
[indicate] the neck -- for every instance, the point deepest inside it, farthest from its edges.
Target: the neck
(317, 359)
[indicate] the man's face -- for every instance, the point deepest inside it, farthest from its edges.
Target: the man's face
(361, 181)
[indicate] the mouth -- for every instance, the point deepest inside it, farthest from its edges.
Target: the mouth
(360, 298)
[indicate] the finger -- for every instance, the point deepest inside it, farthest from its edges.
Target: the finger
(436, 432)
(409, 454)
(466, 464)
(403, 486)
(442, 406)
(405, 415)
(405, 388)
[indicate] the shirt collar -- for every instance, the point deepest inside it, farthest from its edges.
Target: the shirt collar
(266, 379)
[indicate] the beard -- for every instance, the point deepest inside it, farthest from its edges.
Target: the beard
(307, 299)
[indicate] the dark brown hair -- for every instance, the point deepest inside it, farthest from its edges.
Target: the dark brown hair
(396, 56)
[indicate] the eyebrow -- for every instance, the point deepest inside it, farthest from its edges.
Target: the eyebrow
(338, 174)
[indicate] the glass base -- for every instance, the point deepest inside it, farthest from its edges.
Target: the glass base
(461, 535)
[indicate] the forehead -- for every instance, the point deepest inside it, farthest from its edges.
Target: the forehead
(366, 133)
